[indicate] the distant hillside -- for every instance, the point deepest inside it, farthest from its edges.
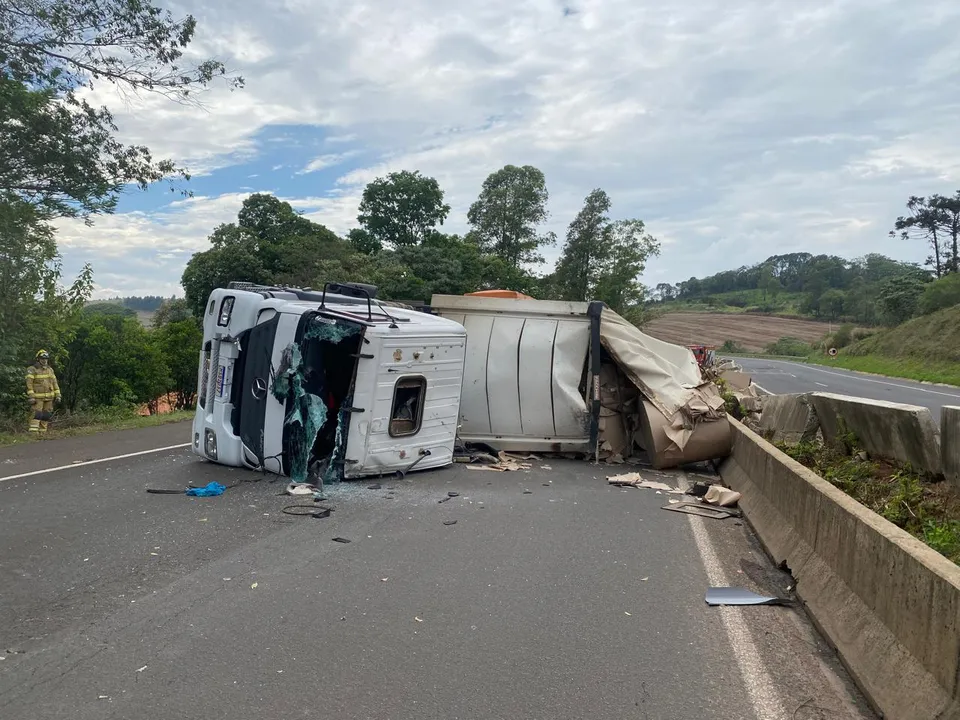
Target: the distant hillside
(753, 332)
(865, 291)
(933, 338)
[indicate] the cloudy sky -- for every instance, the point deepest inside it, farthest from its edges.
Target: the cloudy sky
(735, 129)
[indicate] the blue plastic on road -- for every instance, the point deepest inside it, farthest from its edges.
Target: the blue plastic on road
(209, 490)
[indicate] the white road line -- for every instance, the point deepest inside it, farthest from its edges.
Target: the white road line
(94, 462)
(820, 384)
(762, 390)
(854, 376)
(763, 695)
(792, 375)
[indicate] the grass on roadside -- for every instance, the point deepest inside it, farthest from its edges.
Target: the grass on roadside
(927, 509)
(89, 423)
(936, 371)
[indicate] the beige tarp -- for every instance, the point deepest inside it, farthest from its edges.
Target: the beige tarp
(669, 378)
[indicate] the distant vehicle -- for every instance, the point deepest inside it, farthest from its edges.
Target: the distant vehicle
(704, 354)
(330, 384)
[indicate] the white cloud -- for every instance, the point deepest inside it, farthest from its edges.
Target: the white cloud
(734, 128)
(325, 161)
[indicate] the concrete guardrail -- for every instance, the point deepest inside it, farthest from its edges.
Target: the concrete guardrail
(888, 603)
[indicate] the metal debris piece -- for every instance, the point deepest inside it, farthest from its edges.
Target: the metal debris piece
(449, 522)
(373, 487)
(452, 493)
(740, 596)
(695, 508)
(341, 540)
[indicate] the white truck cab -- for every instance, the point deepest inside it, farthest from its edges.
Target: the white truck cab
(326, 385)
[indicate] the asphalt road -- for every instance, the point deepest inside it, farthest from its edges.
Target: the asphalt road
(555, 595)
(780, 377)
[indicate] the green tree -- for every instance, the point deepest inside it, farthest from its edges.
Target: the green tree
(112, 361)
(578, 269)
(363, 242)
(173, 310)
(179, 343)
(234, 256)
(35, 309)
(831, 303)
(898, 298)
(602, 260)
(925, 222)
(58, 152)
(948, 210)
(403, 208)
(940, 294)
(504, 219)
(626, 248)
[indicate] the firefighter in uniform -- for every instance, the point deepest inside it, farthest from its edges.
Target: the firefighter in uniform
(42, 390)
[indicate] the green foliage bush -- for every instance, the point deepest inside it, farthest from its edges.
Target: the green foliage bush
(788, 346)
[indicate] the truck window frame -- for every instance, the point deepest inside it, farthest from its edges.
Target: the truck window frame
(405, 382)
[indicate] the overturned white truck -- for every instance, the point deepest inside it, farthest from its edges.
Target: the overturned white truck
(326, 385)
(334, 384)
(575, 377)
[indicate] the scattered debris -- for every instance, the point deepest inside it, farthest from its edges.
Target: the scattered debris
(302, 489)
(724, 497)
(211, 489)
(453, 494)
(341, 540)
(740, 596)
(698, 489)
(103, 697)
(505, 462)
(142, 669)
(695, 508)
(644, 579)
(636, 480)
(546, 467)
(384, 579)
(314, 511)
(627, 614)
(528, 492)
(418, 619)
(374, 487)
(449, 522)
(254, 586)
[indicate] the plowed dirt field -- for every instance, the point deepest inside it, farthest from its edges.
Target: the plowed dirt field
(753, 332)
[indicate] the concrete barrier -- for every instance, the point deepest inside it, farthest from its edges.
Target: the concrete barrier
(906, 433)
(888, 603)
(950, 443)
(790, 418)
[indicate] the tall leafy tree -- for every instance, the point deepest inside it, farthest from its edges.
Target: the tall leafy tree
(403, 208)
(924, 222)
(57, 151)
(269, 243)
(504, 219)
(948, 212)
(899, 297)
(602, 260)
(578, 269)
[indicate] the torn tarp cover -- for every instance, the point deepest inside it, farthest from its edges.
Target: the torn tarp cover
(666, 374)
